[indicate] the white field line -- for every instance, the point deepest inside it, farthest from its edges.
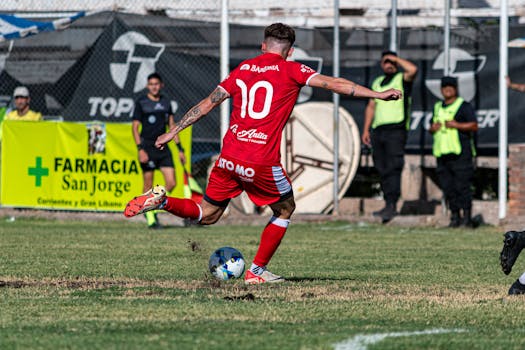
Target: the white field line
(361, 341)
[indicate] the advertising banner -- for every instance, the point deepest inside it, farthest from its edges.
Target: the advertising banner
(97, 69)
(75, 166)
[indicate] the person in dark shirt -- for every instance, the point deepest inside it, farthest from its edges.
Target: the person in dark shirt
(453, 126)
(151, 115)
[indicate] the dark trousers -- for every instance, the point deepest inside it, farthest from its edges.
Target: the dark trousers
(455, 173)
(388, 152)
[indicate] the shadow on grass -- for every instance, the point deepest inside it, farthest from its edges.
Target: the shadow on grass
(313, 279)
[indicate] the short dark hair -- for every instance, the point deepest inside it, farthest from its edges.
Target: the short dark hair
(449, 81)
(388, 52)
(281, 32)
(155, 76)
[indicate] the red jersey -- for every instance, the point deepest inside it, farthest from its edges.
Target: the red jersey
(264, 90)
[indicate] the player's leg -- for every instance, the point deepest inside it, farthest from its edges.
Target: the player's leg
(221, 188)
(156, 198)
(271, 186)
(271, 238)
(151, 217)
(513, 244)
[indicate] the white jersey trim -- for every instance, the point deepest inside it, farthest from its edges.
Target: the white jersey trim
(310, 77)
(281, 182)
(224, 90)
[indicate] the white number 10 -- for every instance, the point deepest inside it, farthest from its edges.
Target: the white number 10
(248, 98)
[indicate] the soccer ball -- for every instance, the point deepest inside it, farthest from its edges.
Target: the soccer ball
(226, 263)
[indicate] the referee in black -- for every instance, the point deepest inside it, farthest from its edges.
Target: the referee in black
(151, 115)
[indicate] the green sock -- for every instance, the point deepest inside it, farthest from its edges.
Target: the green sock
(151, 217)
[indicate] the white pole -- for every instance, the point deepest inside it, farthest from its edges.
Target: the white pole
(446, 39)
(336, 109)
(503, 107)
(225, 63)
(393, 26)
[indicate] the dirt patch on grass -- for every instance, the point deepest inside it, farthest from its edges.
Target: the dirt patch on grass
(87, 283)
(287, 292)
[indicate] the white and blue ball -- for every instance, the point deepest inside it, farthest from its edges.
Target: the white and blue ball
(226, 263)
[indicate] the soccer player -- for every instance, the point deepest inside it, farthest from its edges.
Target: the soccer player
(153, 112)
(514, 241)
(513, 244)
(264, 90)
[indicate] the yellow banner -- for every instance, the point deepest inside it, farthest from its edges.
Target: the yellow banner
(76, 166)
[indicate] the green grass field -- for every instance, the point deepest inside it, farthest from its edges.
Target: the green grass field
(115, 285)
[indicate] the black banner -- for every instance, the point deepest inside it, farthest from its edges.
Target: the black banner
(98, 67)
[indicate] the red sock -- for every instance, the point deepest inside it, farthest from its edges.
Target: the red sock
(184, 208)
(271, 237)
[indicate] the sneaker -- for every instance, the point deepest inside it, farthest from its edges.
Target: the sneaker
(513, 243)
(266, 277)
(150, 200)
(517, 288)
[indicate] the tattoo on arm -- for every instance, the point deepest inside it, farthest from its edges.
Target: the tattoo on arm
(197, 112)
(217, 96)
(189, 118)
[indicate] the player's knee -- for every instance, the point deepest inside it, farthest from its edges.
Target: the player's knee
(285, 210)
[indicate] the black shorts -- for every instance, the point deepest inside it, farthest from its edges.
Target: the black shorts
(157, 159)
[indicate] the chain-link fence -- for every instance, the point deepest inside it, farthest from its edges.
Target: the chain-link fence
(96, 69)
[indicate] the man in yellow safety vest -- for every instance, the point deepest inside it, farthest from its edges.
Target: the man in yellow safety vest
(389, 123)
(453, 126)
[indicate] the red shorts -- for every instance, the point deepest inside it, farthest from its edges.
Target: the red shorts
(264, 184)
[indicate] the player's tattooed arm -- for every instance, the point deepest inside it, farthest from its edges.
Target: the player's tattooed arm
(190, 118)
(193, 115)
(203, 108)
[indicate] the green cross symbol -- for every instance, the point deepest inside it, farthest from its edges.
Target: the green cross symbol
(38, 171)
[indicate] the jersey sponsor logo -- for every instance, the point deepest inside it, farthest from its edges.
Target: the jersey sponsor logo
(245, 173)
(152, 119)
(250, 135)
(306, 69)
(245, 66)
(257, 69)
(301, 56)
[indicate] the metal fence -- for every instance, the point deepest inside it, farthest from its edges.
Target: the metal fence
(97, 68)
